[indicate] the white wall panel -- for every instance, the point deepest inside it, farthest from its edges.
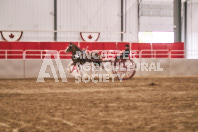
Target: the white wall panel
(131, 21)
(30, 68)
(163, 63)
(12, 69)
(157, 0)
(89, 16)
(157, 24)
(27, 15)
(183, 67)
(33, 67)
(156, 16)
(73, 15)
(192, 28)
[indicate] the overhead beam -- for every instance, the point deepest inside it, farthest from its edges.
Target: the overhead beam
(177, 20)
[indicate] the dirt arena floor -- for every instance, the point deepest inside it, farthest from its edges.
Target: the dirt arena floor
(139, 104)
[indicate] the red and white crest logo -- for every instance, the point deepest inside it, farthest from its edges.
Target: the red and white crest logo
(90, 36)
(11, 35)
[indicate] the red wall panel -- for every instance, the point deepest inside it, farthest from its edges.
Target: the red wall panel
(121, 45)
(44, 45)
(17, 46)
(163, 49)
(110, 46)
(31, 45)
(92, 46)
(160, 46)
(177, 54)
(142, 46)
(98, 46)
(5, 45)
(59, 45)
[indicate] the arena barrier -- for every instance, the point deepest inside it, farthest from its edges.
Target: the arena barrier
(147, 49)
(24, 59)
(30, 68)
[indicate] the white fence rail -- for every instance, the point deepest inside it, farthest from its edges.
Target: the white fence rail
(6, 54)
(40, 54)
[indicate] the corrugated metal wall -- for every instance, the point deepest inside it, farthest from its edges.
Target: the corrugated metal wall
(89, 16)
(86, 15)
(73, 15)
(192, 29)
(97, 16)
(156, 15)
(131, 21)
(27, 15)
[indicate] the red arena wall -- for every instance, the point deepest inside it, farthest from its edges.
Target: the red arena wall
(147, 50)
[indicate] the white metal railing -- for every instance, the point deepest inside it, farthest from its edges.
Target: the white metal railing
(192, 54)
(40, 54)
(62, 53)
(154, 54)
(8, 53)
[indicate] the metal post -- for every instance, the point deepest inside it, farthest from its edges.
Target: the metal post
(6, 56)
(41, 54)
(177, 20)
(122, 19)
(55, 20)
(185, 24)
